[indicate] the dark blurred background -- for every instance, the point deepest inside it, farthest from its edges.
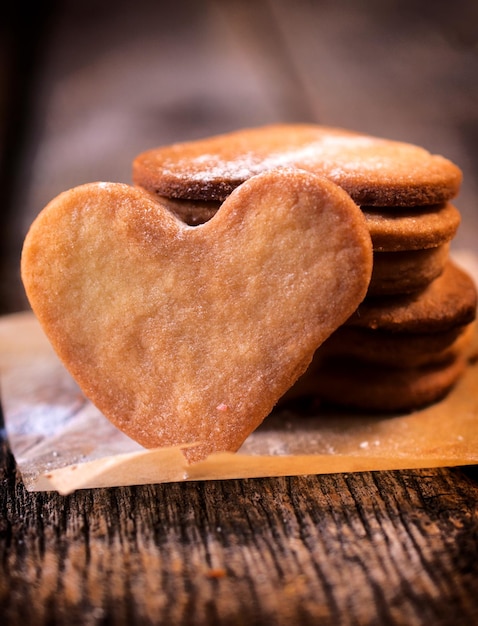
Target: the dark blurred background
(85, 86)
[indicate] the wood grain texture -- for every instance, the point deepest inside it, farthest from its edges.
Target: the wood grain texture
(370, 548)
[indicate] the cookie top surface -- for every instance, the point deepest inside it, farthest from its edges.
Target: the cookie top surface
(374, 171)
(189, 335)
(449, 301)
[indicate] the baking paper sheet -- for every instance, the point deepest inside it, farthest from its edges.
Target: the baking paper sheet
(62, 442)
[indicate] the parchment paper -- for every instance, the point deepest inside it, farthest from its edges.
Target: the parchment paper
(62, 442)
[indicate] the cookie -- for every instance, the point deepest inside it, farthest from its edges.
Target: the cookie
(374, 171)
(408, 271)
(416, 228)
(448, 302)
(188, 336)
(377, 388)
(396, 349)
(191, 212)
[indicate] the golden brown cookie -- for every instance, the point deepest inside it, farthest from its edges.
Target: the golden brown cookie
(449, 301)
(401, 350)
(377, 388)
(374, 171)
(408, 271)
(185, 335)
(191, 212)
(416, 228)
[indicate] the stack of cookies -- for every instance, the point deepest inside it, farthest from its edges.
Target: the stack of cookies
(408, 342)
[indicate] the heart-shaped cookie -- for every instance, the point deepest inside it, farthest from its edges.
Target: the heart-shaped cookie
(189, 335)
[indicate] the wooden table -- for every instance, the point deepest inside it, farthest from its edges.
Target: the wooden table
(88, 88)
(364, 548)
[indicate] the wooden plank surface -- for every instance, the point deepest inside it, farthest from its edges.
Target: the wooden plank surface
(371, 548)
(85, 87)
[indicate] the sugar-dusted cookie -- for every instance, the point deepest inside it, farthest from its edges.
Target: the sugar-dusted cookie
(185, 335)
(374, 171)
